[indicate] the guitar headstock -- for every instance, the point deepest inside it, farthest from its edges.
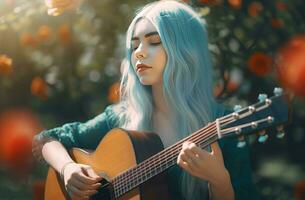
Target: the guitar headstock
(266, 113)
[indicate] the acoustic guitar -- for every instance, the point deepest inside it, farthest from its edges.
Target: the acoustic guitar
(136, 162)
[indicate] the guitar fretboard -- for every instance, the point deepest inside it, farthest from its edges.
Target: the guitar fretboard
(161, 161)
(259, 116)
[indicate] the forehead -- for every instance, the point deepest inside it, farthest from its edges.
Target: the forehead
(142, 27)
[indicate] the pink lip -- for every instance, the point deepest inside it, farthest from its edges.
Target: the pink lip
(142, 67)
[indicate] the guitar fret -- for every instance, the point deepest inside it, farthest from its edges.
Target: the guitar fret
(158, 163)
(133, 178)
(276, 107)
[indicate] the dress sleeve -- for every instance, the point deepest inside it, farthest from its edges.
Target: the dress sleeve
(237, 162)
(83, 135)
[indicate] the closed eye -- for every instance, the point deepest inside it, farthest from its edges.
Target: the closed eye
(152, 39)
(152, 43)
(156, 43)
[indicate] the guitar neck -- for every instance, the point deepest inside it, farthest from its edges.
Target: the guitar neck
(259, 116)
(161, 161)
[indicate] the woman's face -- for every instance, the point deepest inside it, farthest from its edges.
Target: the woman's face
(148, 55)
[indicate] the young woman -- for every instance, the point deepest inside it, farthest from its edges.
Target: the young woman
(166, 88)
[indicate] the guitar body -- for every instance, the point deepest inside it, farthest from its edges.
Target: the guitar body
(121, 153)
(118, 151)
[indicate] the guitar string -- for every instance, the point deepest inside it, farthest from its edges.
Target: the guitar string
(124, 188)
(122, 182)
(245, 125)
(160, 154)
(165, 151)
(175, 155)
(165, 158)
(119, 183)
(195, 133)
(226, 120)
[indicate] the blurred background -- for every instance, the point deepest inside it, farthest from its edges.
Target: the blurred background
(62, 65)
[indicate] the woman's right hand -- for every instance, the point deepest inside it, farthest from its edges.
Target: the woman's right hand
(81, 181)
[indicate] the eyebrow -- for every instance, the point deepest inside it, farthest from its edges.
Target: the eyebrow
(146, 35)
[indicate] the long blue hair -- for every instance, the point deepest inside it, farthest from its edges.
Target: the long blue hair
(187, 78)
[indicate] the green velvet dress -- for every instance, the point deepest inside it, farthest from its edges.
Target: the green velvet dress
(88, 135)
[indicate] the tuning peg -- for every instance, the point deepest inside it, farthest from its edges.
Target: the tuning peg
(237, 108)
(278, 91)
(241, 141)
(280, 132)
(262, 97)
(262, 136)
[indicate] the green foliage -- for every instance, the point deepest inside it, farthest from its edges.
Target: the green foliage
(78, 55)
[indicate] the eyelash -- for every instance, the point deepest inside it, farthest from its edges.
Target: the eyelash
(153, 44)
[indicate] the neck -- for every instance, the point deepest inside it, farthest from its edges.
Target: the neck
(159, 100)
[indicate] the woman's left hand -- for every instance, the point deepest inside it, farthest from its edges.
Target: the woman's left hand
(202, 164)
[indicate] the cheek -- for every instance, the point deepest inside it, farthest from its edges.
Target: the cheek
(162, 58)
(158, 55)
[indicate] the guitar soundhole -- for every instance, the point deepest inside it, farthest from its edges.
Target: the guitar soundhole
(105, 192)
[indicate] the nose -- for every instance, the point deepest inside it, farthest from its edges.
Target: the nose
(141, 52)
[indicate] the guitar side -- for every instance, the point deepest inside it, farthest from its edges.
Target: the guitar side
(118, 151)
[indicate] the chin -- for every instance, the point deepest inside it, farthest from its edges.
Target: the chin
(148, 80)
(145, 82)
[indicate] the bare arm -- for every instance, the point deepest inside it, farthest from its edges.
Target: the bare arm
(80, 180)
(52, 151)
(222, 189)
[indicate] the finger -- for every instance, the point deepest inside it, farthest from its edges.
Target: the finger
(74, 192)
(198, 152)
(94, 186)
(85, 179)
(184, 157)
(189, 146)
(185, 145)
(217, 151)
(193, 159)
(186, 165)
(77, 194)
(184, 153)
(104, 175)
(187, 149)
(181, 162)
(97, 179)
(190, 159)
(88, 171)
(82, 185)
